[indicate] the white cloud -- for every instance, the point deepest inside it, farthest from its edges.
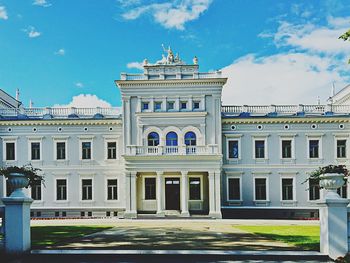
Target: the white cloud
(79, 84)
(60, 52)
(172, 14)
(85, 101)
(42, 3)
(313, 38)
(137, 65)
(316, 58)
(3, 13)
(280, 79)
(31, 32)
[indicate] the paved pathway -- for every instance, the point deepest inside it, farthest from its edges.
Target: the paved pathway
(173, 235)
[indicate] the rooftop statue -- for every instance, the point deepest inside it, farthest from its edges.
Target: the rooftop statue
(169, 58)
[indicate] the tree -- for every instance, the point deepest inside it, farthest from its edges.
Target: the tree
(345, 37)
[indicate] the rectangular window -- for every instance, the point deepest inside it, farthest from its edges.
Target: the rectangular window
(234, 191)
(233, 149)
(259, 149)
(35, 150)
(86, 191)
(287, 189)
(196, 105)
(61, 189)
(157, 106)
(10, 151)
(260, 188)
(86, 150)
(61, 150)
(183, 105)
(314, 189)
(195, 188)
(150, 188)
(111, 150)
(36, 190)
(341, 148)
(286, 149)
(314, 148)
(112, 189)
(342, 191)
(170, 105)
(145, 105)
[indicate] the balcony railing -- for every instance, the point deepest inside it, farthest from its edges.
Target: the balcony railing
(172, 150)
(259, 110)
(62, 112)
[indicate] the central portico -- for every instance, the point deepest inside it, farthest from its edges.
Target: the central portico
(172, 142)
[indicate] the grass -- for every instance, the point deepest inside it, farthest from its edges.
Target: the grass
(304, 237)
(46, 236)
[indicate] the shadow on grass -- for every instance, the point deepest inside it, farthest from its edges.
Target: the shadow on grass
(301, 242)
(46, 236)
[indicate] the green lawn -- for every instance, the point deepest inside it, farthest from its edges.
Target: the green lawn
(305, 237)
(46, 236)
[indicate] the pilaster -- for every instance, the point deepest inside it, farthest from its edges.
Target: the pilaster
(131, 198)
(184, 194)
(160, 196)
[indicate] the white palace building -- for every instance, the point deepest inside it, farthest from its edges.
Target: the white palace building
(175, 150)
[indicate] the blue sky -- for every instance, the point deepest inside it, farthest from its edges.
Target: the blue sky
(273, 52)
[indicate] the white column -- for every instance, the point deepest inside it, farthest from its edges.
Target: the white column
(211, 177)
(17, 224)
(334, 226)
(184, 194)
(159, 187)
(218, 194)
(131, 195)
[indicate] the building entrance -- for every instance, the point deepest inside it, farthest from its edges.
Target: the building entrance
(172, 193)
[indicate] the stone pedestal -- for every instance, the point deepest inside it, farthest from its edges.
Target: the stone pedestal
(17, 224)
(333, 226)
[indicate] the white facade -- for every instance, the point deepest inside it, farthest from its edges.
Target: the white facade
(175, 150)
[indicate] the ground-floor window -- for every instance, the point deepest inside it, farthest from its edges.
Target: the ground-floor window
(36, 190)
(112, 192)
(260, 188)
(314, 189)
(195, 188)
(234, 191)
(287, 188)
(61, 189)
(86, 189)
(150, 188)
(342, 191)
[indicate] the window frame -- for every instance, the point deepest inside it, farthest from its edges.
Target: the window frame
(293, 190)
(262, 138)
(89, 139)
(88, 176)
(267, 188)
(287, 137)
(9, 139)
(200, 177)
(319, 193)
(117, 189)
(234, 176)
(59, 139)
(67, 188)
(144, 187)
(339, 137)
(41, 193)
(311, 137)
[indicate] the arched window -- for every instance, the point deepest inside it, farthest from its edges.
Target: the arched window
(153, 139)
(190, 139)
(171, 139)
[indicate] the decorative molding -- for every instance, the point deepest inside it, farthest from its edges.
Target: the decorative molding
(60, 122)
(252, 120)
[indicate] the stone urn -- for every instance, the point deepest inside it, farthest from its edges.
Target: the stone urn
(17, 182)
(331, 182)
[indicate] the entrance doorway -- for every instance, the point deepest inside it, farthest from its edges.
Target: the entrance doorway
(172, 193)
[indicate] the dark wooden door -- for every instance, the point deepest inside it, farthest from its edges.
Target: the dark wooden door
(172, 193)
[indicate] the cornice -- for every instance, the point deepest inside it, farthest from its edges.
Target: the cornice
(285, 120)
(59, 122)
(172, 82)
(172, 114)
